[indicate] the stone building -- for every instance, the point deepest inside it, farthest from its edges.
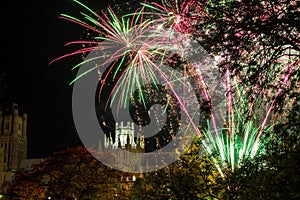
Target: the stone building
(124, 138)
(123, 145)
(13, 143)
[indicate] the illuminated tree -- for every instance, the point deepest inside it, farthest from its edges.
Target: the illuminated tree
(27, 186)
(70, 173)
(193, 176)
(252, 35)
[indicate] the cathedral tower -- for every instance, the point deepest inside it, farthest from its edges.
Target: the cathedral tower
(125, 141)
(13, 139)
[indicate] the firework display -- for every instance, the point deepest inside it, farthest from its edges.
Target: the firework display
(156, 45)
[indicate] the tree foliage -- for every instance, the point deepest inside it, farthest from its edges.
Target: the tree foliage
(70, 173)
(252, 36)
(27, 187)
(191, 177)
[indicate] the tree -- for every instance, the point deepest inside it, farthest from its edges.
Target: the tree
(27, 187)
(70, 173)
(253, 36)
(191, 177)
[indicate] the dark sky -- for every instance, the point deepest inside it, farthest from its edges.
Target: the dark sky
(33, 35)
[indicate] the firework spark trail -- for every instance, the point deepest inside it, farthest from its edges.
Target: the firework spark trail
(251, 133)
(168, 14)
(286, 78)
(178, 15)
(126, 34)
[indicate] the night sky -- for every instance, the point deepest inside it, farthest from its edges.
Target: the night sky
(33, 35)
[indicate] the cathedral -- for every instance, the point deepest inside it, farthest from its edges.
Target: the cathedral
(13, 143)
(125, 141)
(124, 138)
